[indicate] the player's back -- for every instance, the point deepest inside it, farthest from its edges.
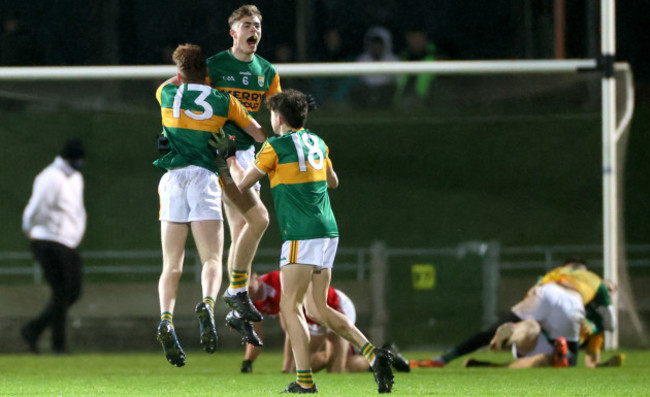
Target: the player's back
(585, 282)
(190, 113)
(297, 163)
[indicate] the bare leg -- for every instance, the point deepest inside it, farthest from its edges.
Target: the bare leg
(538, 360)
(173, 238)
(357, 363)
(317, 309)
(320, 353)
(208, 236)
(338, 349)
(247, 220)
(295, 280)
(523, 334)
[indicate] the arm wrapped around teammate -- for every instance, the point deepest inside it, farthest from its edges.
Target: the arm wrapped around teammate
(163, 144)
(311, 103)
(224, 144)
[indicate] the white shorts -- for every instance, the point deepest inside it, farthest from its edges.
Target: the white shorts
(189, 194)
(246, 159)
(319, 252)
(558, 310)
(348, 311)
(543, 346)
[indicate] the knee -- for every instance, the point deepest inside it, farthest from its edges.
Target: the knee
(530, 325)
(315, 315)
(172, 273)
(287, 307)
(260, 219)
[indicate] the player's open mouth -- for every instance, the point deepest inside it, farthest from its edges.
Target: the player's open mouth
(252, 40)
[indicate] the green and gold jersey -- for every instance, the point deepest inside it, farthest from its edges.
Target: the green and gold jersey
(190, 113)
(296, 164)
(249, 82)
(588, 284)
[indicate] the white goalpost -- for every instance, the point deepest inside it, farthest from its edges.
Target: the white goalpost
(612, 130)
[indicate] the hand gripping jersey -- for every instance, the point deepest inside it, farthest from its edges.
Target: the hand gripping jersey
(270, 302)
(249, 82)
(588, 284)
(190, 113)
(296, 164)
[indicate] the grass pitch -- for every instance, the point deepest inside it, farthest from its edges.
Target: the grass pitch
(149, 374)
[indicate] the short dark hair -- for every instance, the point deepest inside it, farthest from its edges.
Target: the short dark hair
(73, 149)
(575, 262)
(190, 62)
(247, 10)
(292, 105)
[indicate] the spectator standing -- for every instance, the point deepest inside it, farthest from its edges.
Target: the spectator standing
(55, 222)
(376, 90)
(413, 90)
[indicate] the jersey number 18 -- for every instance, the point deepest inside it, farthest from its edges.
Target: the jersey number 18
(315, 155)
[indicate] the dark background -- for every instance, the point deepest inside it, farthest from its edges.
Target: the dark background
(513, 159)
(78, 32)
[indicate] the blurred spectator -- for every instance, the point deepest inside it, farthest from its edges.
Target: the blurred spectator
(332, 90)
(17, 45)
(413, 89)
(55, 222)
(376, 90)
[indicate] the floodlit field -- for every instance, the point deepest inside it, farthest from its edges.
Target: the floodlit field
(148, 374)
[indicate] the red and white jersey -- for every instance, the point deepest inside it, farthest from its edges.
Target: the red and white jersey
(270, 302)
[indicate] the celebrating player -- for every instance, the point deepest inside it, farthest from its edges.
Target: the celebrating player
(300, 172)
(190, 196)
(245, 75)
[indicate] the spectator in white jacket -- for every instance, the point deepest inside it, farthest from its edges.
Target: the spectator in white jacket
(376, 91)
(55, 222)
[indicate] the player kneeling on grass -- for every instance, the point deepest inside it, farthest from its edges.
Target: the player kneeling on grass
(300, 171)
(328, 350)
(190, 196)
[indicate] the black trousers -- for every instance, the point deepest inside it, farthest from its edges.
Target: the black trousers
(484, 337)
(63, 271)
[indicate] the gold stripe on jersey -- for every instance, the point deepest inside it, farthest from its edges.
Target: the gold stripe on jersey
(211, 124)
(583, 281)
(275, 86)
(251, 99)
(289, 174)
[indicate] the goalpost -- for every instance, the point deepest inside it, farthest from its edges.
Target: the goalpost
(612, 131)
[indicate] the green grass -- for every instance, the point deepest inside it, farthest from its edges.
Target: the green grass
(148, 374)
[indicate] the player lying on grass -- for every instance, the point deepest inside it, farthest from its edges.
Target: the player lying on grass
(528, 338)
(300, 172)
(190, 196)
(572, 274)
(526, 332)
(328, 350)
